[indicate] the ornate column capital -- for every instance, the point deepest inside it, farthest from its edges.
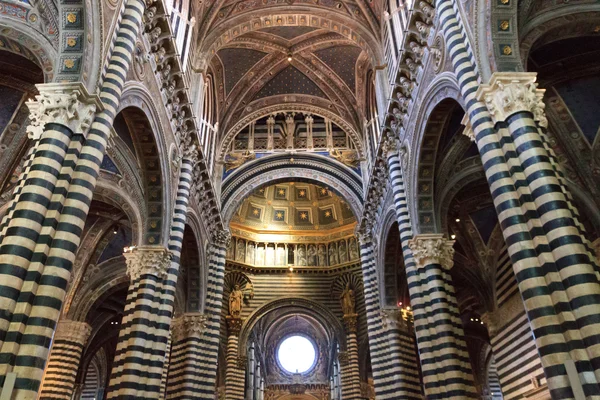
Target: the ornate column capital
(234, 325)
(68, 104)
(363, 232)
(432, 249)
(350, 322)
(73, 331)
(242, 361)
(510, 92)
(188, 325)
(343, 358)
(468, 131)
(221, 237)
(153, 260)
(390, 145)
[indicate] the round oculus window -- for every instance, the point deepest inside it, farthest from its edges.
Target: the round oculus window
(296, 354)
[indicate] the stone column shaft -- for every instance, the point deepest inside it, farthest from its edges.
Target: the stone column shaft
(444, 357)
(531, 261)
(390, 376)
(235, 368)
(349, 361)
(185, 378)
(63, 364)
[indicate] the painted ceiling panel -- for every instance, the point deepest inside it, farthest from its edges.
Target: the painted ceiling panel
(290, 80)
(342, 60)
(236, 63)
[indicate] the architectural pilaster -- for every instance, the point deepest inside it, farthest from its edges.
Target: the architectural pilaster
(70, 339)
(349, 361)
(186, 361)
(236, 366)
(444, 357)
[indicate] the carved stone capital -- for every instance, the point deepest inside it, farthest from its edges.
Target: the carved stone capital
(497, 319)
(234, 325)
(350, 322)
(364, 232)
(73, 331)
(242, 362)
(390, 145)
(468, 131)
(147, 260)
(343, 357)
(68, 104)
(221, 237)
(508, 93)
(188, 325)
(432, 249)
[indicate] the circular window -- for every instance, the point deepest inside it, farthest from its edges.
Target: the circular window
(296, 354)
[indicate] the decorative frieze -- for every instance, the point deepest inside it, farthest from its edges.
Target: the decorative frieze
(508, 93)
(147, 260)
(432, 249)
(188, 325)
(73, 331)
(68, 104)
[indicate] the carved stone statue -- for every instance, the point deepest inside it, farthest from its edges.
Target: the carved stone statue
(322, 256)
(312, 255)
(240, 250)
(250, 253)
(354, 255)
(343, 252)
(301, 256)
(235, 160)
(333, 258)
(348, 300)
(235, 301)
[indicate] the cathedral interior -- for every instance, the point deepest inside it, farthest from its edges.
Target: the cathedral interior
(299, 199)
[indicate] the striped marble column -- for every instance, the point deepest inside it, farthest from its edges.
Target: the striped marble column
(69, 341)
(349, 361)
(185, 378)
(134, 371)
(569, 268)
(235, 369)
(445, 363)
(392, 380)
(553, 326)
(27, 359)
(206, 347)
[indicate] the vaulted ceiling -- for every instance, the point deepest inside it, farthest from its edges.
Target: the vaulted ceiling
(274, 55)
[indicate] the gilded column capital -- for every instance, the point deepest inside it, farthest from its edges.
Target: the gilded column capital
(343, 358)
(242, 361)
(73, 331)
(432, 249)
(350, 322)
(234, 325)
(147, 260)
(510, 92)
(68, 104)
(188, 325)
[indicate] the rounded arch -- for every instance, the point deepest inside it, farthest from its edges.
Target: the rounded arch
(140, 117)
(112, 278)
(288, 107)
(388, 224)
(291, 15)
(31, 44)
(281, 167)
(442, 96)
(195, 228)
(568, 20)
(320, 313)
